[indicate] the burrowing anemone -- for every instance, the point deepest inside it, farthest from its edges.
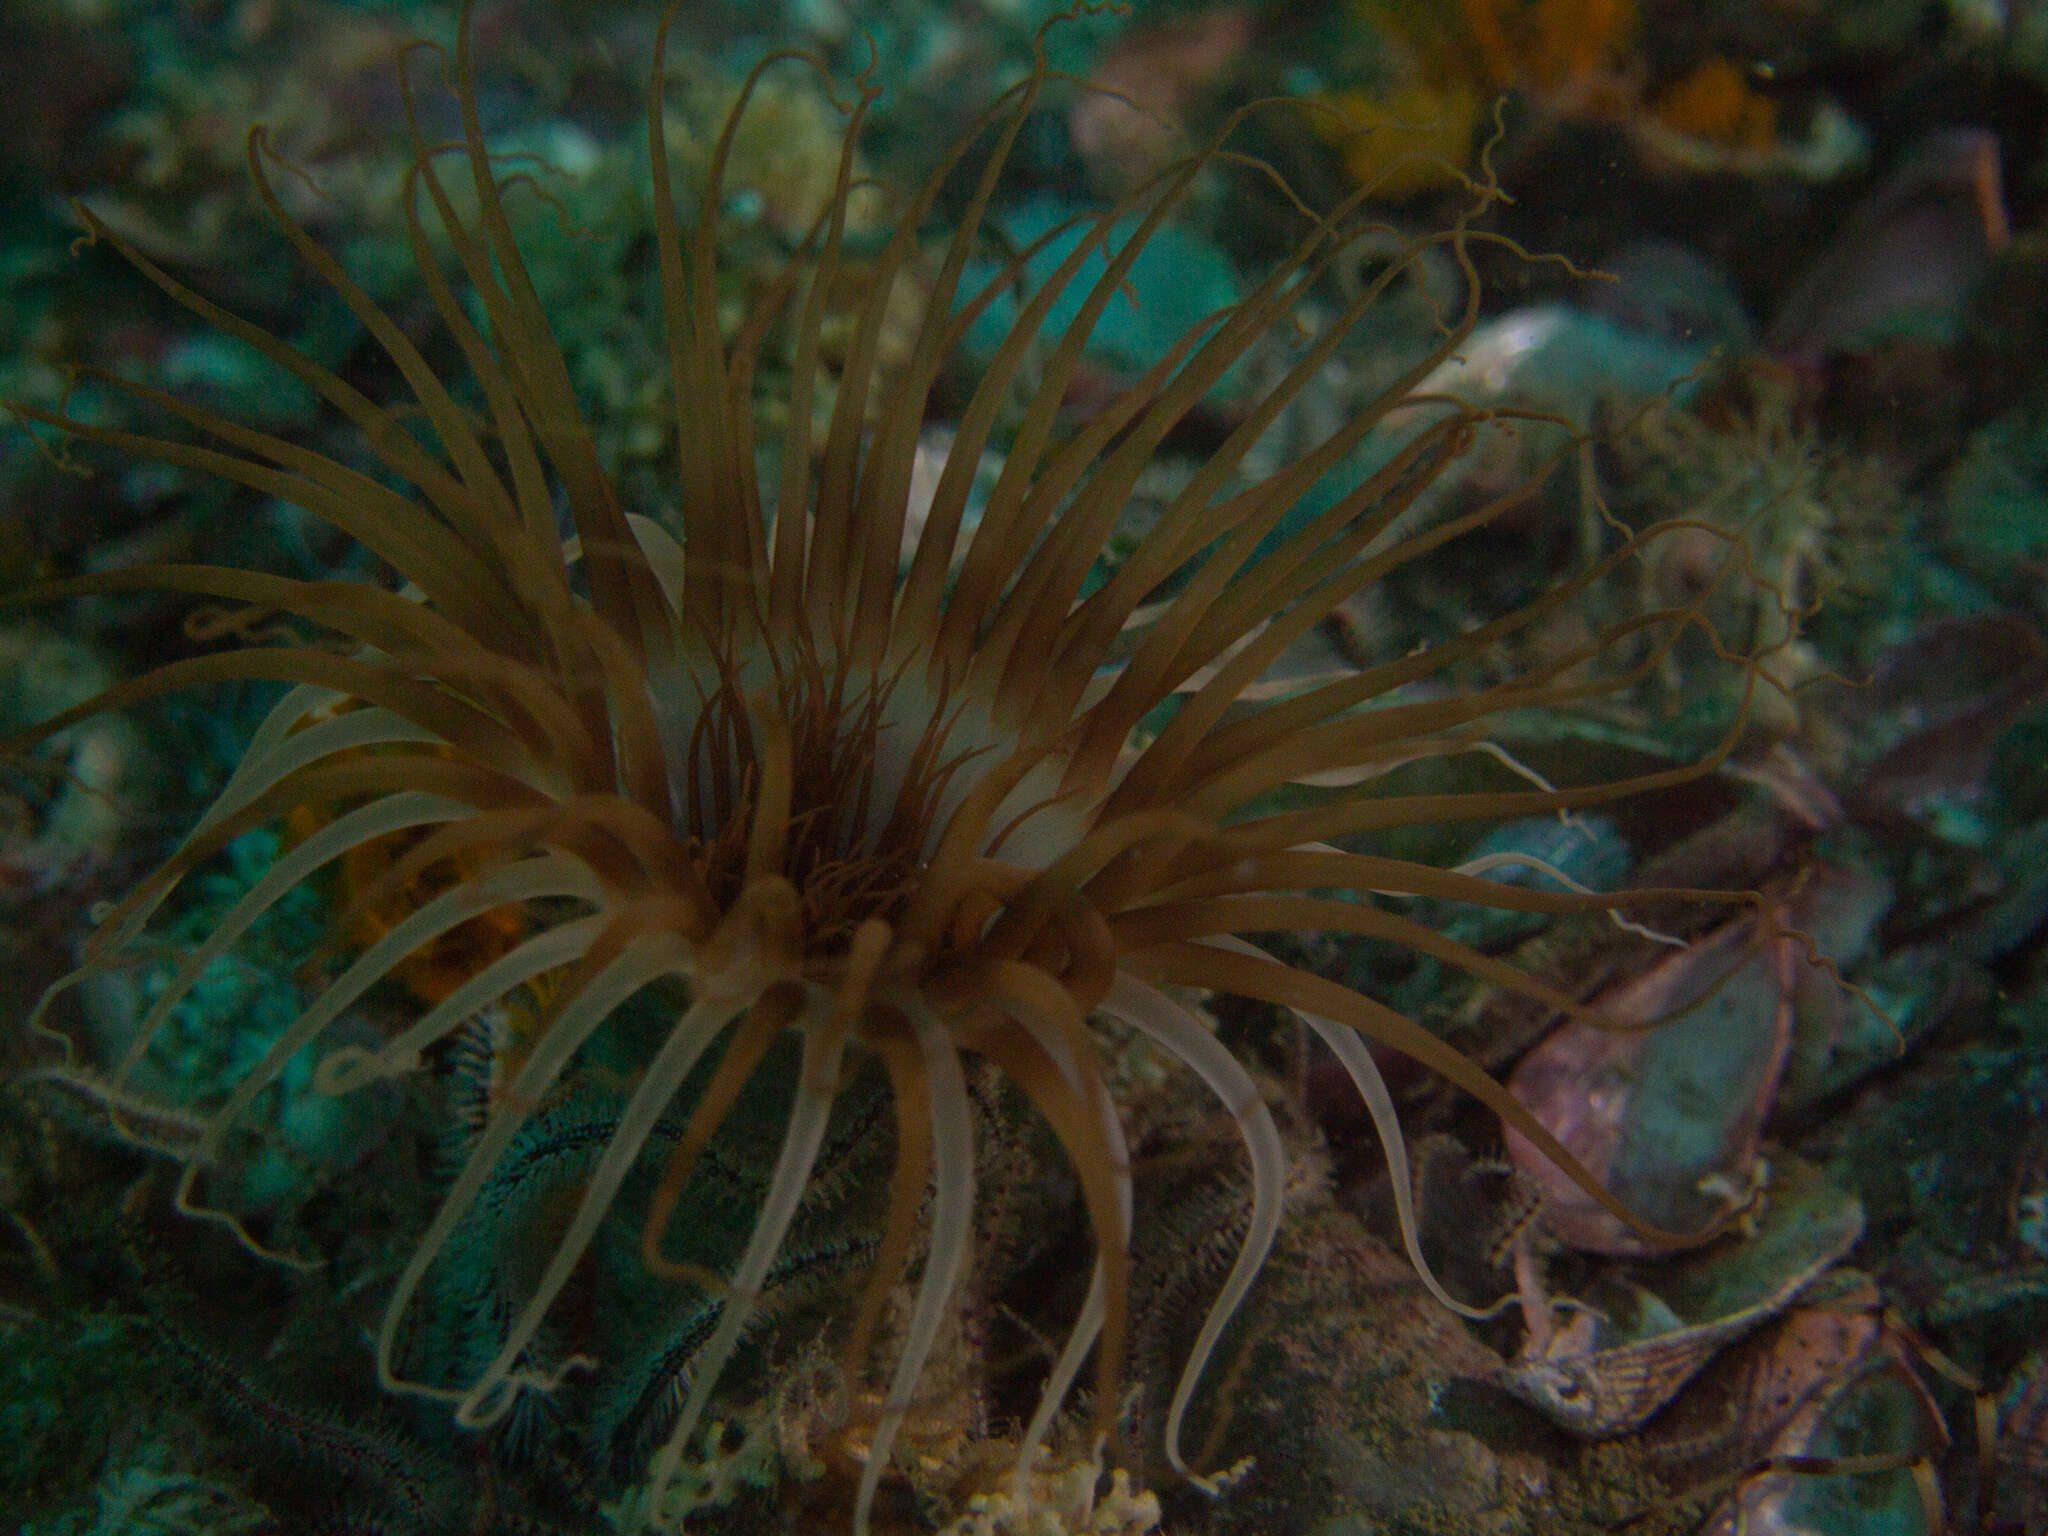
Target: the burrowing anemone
(887, 795)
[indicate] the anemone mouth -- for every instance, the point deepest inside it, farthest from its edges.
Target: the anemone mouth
(805, 767)
(914, 809)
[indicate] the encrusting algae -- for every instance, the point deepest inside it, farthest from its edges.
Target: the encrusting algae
(752, 757)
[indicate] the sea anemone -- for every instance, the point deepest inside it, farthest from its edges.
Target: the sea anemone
(904, 797)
